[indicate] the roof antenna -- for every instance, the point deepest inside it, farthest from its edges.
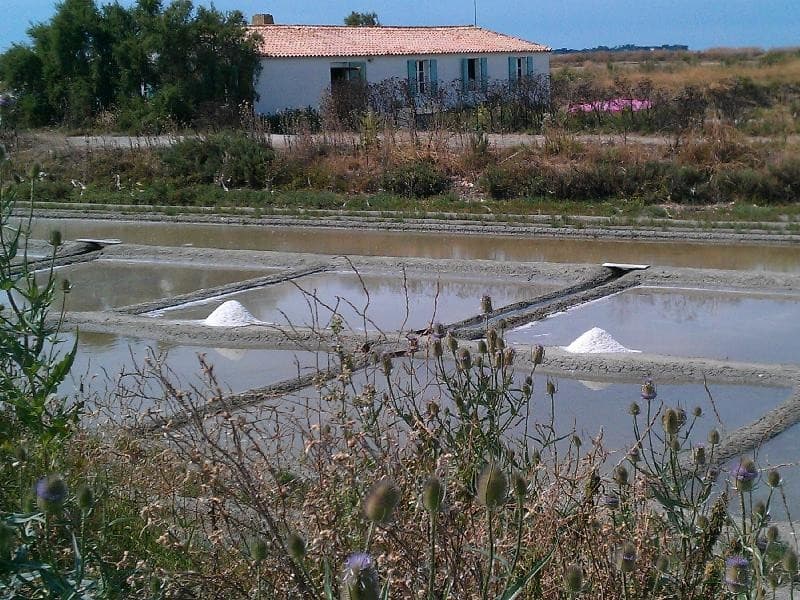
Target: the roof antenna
(475, 5)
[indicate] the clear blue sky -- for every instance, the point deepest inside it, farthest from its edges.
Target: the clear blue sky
(558, 23)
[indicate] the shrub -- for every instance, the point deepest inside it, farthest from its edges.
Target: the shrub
(419, 178)
(232, 159)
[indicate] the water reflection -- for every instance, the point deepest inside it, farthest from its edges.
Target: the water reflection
(704, 323)
(738, 256)
(107, 284)
(389, 301)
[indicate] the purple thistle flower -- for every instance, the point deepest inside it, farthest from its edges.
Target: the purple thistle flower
(744, 475)
(736, 573)
(360, 578)
(51, 491)
(610, 501)
(649, 390)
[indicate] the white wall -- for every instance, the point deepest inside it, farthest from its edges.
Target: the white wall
(300, 82)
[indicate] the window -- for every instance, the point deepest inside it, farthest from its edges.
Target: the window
(422, 77)
(348, 71)
(474, 74)
(519, 67)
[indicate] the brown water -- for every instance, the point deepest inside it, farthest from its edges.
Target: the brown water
(735, 256)
(393, 303)
(102, 357)
(107, 284)
(680, 322)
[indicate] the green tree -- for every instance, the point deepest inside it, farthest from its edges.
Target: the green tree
(162, 63)
(357, 19)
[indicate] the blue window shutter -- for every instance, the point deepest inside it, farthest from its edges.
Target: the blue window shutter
(464, 74)
(530, 66)
(362, 69)
(512, 68)
(484, 74)
(412, 77)
(434, 75)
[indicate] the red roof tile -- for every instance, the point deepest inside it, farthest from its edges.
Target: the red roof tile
(337, 40)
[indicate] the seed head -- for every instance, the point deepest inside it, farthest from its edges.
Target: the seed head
(576, 441)
(773, 478)
(700, 455)
(670, 421)
(702, 522)
(634, 409)
(381, 501)
(438, 351)
(626, 560)
(760, 511)
(713, 437)
(258, 548)
(85, 498)
(486, 304)
(772, 534)
(551, 387)
(492, 486)
(573, 579)
(662, 564)
(296, 546)
(621, 475)
(789, 561)
(482, 348)
(433, 494)
(737, 573)
(491, 338)
(51, 491)
(359, 578)
(452, 342)
(634, 455)
(464, 359)
(697, 411)
(610, 501)
(744, 475)
(438, 330)
(538, 354)
(386, 363)
(520, 485)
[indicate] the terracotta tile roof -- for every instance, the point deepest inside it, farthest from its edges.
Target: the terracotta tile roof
(337, 40)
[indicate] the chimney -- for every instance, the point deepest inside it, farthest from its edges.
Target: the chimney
(263, 19)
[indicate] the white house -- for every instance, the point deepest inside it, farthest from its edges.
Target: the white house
(300, 62)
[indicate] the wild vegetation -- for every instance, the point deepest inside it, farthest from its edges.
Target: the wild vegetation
(436, 470)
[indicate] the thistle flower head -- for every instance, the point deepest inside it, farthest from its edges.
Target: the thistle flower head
(520, 485)
(610, 501)
(773, 479)
(464, 359)
(381, 501)
(789, 561)
(452, 342)
(359, 578)
(85, 497)
(670, 421)
(486, 304)
(492, 486)
(744, 475)
(573, 579)
(772, 534)
(621, 475)
(438, 351)
(258, 548)
(433, 494)
(737, 575)
(713, 437)
(537, 355)
(296, 546)
(627, 558)
(634, 409)
(649, 391)
(482, 348)
(51, 491)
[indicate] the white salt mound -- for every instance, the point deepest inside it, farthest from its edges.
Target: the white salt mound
(596, 341)
(230, 314)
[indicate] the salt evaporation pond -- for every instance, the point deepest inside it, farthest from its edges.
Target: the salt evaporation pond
(107, 284)
(683, 322)
(393, 302)
(101, 357)
(588, 406)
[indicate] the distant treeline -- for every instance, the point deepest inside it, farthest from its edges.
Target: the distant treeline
(624, 48)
